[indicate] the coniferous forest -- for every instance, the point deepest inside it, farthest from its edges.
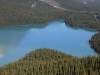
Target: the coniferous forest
(95, 42)
(51, 62)
(15, 14)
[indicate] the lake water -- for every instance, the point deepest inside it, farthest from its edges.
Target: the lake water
(15, 42)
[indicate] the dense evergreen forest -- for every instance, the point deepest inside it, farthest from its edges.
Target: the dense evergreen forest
(95, 42)
(73, 5)
(15, 14)
(50, 62)
(36, 3)
(67, 4)
(98, 17)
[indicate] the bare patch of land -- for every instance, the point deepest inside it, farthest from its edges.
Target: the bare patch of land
(54, 4)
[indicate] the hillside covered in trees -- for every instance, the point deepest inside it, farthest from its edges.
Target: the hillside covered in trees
(31, 3)
(50, 62)
(95, 42)
(67, 4)
(15, 14)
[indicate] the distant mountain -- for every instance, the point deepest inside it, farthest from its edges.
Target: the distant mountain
(32, 3)
(73, 5)
(16, 14)
(59, 4)
(91, 2)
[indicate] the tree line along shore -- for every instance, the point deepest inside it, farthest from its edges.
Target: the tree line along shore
(21, 15)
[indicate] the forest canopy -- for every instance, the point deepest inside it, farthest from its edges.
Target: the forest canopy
(52, 62)
(15, 14)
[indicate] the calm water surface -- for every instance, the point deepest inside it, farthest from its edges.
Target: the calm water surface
(15, 42)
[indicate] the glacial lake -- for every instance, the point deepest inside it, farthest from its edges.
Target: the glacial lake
(16, 42)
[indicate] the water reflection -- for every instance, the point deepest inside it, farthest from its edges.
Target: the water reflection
(9, 39)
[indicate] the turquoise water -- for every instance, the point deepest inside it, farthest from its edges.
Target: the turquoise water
(15, 42)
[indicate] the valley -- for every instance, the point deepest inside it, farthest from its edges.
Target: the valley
(74, 13)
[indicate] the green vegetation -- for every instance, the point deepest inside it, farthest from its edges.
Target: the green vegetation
(30, 2)
(95, 42)
(14, 14)
(67, 4)
(98, 17)
(73, 5)
(49, 62)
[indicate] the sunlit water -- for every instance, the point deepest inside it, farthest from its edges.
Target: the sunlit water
(15, 42)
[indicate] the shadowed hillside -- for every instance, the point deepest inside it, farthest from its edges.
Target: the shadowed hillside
(59, 4)
(91, 2)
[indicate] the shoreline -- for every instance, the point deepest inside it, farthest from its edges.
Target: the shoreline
(42, 24)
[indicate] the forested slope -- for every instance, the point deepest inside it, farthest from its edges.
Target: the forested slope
(67, 4)
(95, 42)
(32, 3)
(98, 17)
(73, 5)
(15, 14)
(91, 2)
(50, 62)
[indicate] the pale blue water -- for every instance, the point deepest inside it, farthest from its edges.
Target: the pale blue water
(15, 42)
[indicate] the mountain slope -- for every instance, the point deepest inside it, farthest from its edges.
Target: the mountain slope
(54, 4)
(72, 4)
(39, 3)
(59, 4)
(32, 3)
(91, 2)
(16, 14)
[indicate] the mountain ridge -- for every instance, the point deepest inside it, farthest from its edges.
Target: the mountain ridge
(59, 4)
(91, 2)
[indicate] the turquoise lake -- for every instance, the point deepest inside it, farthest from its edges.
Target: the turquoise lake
(15, 42)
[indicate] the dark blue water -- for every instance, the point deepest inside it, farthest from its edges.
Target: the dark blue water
(15, 42)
